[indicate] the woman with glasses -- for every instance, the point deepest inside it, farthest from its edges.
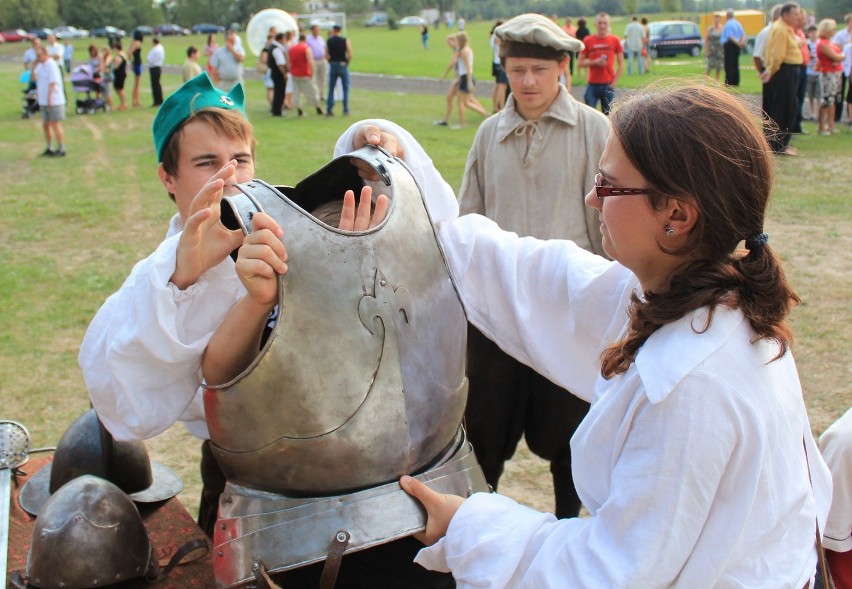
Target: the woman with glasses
(692, 460)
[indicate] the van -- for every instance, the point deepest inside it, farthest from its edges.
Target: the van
(377, 20)
(670, 37)
(751, 20)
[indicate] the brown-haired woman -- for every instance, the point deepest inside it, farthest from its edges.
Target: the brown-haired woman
(691, 460)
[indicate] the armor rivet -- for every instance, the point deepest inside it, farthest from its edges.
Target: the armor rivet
(255, 565)
(221, 553)
(95, 582)
(383, 282)
(224, 526)
(61, 584)
(342, 536)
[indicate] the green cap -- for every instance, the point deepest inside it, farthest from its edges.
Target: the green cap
(196, 94)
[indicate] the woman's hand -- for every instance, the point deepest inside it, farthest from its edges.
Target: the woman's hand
(372, 135)
(440, 508)
(362, 219)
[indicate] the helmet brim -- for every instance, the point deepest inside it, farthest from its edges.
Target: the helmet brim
(36, 491)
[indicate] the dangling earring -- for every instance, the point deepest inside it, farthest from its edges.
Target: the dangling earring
(669, 230)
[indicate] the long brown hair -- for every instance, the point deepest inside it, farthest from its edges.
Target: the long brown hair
(703, 145)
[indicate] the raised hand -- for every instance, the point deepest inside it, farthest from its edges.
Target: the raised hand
(204, 241)
(372, 135)
(361, 219)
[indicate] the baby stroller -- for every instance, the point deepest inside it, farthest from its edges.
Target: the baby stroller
(85, 83)
(30, 101)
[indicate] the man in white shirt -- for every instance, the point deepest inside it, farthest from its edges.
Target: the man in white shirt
(317, 45)
(51, 101)
(634, 35)
(156, 59)
(227, 62)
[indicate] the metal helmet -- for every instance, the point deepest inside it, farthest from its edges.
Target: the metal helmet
(87, 447)
(88, 534)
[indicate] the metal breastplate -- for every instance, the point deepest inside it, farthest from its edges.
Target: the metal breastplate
(363, 376)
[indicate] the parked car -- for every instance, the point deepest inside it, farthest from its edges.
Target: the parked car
(17, 35)
(41, 33)
(170, 29)
(323, 23)
(377, 20)
(68, 32)
(670, 37)
(109, 32)
(207, 28)
(412, 21)
(143, 30)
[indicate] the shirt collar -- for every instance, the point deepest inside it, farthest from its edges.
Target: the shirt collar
(564, 109)
(676, 349)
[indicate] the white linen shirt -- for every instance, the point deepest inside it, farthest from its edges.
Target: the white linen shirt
(691, 463)
(141, 356)
(531, 177)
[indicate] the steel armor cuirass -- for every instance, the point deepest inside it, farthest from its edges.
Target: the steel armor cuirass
(362, 377)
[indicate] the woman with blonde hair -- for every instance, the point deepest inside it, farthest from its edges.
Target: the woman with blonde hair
(830, 59)
(466, 99)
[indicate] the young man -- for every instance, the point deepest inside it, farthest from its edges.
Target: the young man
(141, 356)
(301, 62)
(528, 170)
(190, 67)
(338, 54)
(51, 101)
(604, 57)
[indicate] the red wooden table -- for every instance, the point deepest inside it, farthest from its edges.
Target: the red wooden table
(169, 527)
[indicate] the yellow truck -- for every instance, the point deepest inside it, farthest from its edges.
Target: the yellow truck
(751, 20)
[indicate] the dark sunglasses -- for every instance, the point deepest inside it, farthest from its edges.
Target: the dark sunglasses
(604, 191)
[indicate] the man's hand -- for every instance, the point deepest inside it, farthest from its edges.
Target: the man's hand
(204, 241)
(372, 135)
(261, 259)
(361, 220)
(440, 508)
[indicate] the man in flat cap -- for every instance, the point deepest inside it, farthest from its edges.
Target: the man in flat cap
(141, 354)
(529, 169)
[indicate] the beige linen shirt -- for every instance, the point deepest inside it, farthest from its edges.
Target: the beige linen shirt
(530, 177)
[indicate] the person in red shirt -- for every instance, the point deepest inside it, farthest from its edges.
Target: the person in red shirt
(302, 71)
(602, 51)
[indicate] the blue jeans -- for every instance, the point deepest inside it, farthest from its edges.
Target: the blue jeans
(602, 92)
(634, 56)
(338, 70)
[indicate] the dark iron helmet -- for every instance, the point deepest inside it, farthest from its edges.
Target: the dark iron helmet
(88, 448)
(88, 534)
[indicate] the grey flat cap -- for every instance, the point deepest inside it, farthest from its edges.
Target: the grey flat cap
(537, 30)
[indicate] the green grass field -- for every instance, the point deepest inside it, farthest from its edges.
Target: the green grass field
(72, 228)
